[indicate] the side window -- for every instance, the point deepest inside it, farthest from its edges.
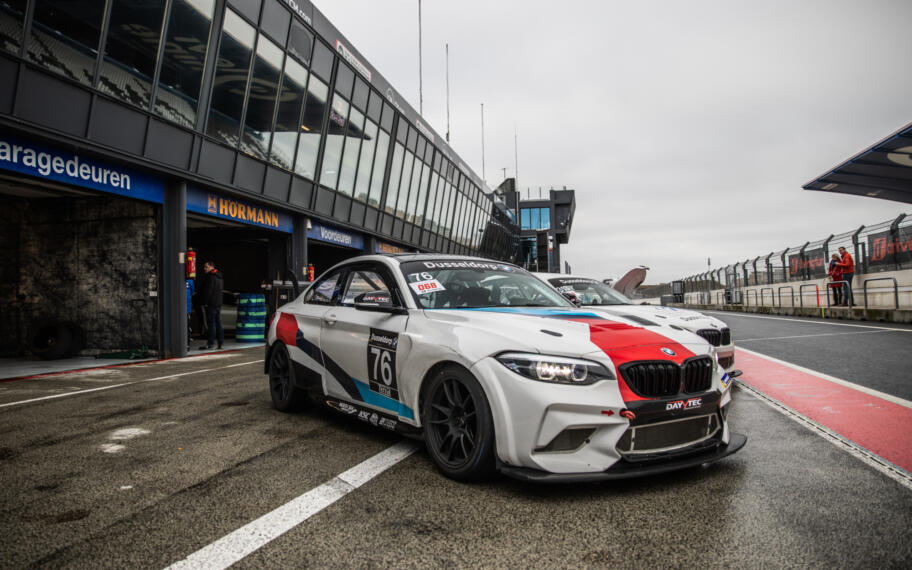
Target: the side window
(363, 281)
(323, 292)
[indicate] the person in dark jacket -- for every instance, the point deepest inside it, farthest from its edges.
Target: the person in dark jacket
(209, 293)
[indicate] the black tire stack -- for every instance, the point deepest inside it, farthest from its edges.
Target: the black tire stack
(50, 340)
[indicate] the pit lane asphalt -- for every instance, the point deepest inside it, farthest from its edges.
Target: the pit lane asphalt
(871, 354)
(217, 456)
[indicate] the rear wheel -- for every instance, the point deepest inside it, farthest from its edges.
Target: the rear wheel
(458, 428)
(286, 397)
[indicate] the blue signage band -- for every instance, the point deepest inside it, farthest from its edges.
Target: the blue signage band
(51, 164)
(228, 208)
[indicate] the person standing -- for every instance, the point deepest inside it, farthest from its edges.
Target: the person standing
(191, 290)
(847, 265)
(835, 273)
(210, 295)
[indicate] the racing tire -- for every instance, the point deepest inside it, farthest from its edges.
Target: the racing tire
(50, 340)
(286, 397)
(458, 427)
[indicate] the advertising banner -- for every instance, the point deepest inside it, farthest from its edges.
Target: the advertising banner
(813, 264)
(61, 166)
(228, 208)
(884, 250)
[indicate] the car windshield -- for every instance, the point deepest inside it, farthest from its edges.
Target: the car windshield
(473, 284)
(590, 291)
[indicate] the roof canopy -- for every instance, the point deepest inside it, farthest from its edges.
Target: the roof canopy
(881, 171)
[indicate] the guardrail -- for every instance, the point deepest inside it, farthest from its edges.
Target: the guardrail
(791, 291)
(895, 289)
(747, 297)
(772, 297)
(801, 293)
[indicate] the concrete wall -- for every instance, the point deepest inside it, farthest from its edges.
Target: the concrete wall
(92, 261)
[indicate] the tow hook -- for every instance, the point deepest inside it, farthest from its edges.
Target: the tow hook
(628, 414)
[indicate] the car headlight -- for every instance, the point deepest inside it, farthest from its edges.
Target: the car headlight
(556, 369)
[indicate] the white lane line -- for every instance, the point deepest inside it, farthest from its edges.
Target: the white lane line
(76, 393)
(840, 381)
(809, 335)
(254, 535)
(803, 321)
(880, 464)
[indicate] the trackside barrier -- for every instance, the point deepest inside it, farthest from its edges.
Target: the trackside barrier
(895, 289)
(791, 291)
(747, 297)
(772, 297)
(801, 293)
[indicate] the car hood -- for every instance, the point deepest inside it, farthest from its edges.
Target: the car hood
(568, 332)
(691, 320)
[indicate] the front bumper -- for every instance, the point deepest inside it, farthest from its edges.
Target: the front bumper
(576, 430)
(627, 470)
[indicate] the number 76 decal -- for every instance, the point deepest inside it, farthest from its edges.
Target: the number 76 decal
(381, 362)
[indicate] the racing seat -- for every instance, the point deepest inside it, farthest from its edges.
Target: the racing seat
(476, 297)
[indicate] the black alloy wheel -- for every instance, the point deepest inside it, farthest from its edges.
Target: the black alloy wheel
(286, 397)
(458, 429)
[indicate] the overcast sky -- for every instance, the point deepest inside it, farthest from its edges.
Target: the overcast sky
(686, 128)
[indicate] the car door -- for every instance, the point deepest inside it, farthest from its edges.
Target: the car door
(362, 349)
(308, 315)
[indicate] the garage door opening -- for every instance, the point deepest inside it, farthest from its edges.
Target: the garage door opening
(248, 257)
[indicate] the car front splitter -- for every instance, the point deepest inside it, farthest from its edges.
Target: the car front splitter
(628, 470)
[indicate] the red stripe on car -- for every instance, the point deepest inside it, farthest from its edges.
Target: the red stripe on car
(287, 329)
(627, 343)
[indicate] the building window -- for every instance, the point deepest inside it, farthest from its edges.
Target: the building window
(65, 37)
(354, 135)
(183, 61)
(311, 128)
(230, 83)
(12, 14)
(131, 50)
(261, 101)
(368, 147)
(300, 42)
(288, 117)
(535, 218)
(376, 185)
(395, 176)
(335, 141)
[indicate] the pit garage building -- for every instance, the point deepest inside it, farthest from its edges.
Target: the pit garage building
(249, 130)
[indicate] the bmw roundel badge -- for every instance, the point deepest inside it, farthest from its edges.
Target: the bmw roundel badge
(668, 351)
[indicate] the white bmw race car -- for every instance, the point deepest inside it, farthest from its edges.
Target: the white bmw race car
(594, 294)
(496, 370)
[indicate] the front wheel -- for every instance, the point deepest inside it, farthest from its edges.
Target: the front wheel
(286, 397)
(458, 428)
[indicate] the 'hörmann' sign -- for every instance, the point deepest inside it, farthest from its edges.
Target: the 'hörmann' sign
(52, 164)
(229, 208)
(335, 236)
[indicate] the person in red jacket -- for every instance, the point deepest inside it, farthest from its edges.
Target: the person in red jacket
(847, 265)
(835, 285)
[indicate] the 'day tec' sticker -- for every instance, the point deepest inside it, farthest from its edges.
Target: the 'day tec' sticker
(425, 287)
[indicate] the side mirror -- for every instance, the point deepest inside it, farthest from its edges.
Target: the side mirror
(378, 301)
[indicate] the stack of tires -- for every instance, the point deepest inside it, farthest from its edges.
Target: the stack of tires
(51, 339)
(251, 317)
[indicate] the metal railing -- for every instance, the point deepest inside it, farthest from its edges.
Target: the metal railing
(801, 289)
(895, 289)
(791, 292)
